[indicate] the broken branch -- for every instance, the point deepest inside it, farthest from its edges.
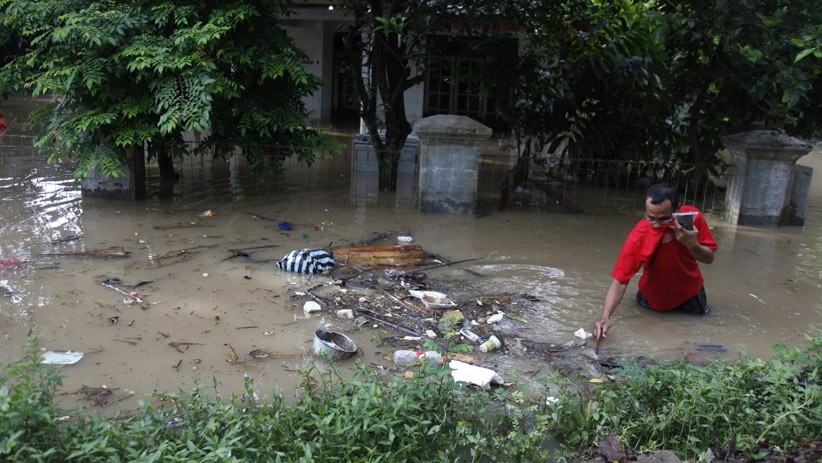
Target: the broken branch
(105, 253)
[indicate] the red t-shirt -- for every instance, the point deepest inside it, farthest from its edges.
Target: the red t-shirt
(3, 124)
(672, 276)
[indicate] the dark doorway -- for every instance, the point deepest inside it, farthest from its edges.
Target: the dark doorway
(345, 104)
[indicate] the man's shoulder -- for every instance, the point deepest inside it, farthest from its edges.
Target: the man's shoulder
(685, 208)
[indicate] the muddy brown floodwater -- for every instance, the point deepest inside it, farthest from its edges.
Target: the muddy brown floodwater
(765, 286)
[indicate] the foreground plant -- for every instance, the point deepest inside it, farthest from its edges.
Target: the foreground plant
(745, 405)
(379, 417)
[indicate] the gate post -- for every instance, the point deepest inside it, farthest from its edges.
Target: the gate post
(766, 186)
(131, 186)
(449, 163)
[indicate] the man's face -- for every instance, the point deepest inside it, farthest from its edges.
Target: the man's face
(659, 215)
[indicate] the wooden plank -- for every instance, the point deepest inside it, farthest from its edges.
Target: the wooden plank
(406, 254)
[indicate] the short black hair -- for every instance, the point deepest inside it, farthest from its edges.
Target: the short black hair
(660, 192)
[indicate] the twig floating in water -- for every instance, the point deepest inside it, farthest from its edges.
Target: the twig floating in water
(182, 225)
(133, 343)
(233, 357)
(96, 253)
(516, 317)
(176, 345)
(254, 247)
(258, 216)
(370, 315)
(66, 239)
(183, 255)
(141, 283)
(134, 298)
(447, 264)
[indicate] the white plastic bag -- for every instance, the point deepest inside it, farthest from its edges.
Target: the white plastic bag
(432, 299)
(60, 357)
(466, 373)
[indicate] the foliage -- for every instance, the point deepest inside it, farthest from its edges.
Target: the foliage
(590, 86)
(688, 408)
(142, 72)
(366, 418)
(664, 81)
(734, 68)
(28, 415)
(371, 417)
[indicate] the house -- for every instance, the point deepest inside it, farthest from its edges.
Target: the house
(451, 84)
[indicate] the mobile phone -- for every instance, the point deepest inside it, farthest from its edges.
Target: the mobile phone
(685, 219)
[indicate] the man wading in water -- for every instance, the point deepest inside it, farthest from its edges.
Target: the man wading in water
(669, 253)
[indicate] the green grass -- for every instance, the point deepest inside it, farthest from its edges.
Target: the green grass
(379, 417)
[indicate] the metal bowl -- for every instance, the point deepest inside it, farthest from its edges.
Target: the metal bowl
(332, 345)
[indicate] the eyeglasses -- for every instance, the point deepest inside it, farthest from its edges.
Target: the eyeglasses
(660, 220)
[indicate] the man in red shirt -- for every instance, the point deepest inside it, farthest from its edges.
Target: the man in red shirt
(669, 254)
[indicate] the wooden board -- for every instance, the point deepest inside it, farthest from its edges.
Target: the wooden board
(406, 254)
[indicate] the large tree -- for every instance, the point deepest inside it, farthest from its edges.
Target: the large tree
(391, 42)
(385, 41)
(141, 72)
(590, 81)
(734, 68)
(665, 80)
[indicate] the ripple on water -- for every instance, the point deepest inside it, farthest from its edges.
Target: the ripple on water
(566, 301)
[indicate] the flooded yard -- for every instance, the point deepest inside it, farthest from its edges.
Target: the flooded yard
(206, 308)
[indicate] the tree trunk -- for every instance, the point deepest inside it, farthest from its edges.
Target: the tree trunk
(387, 76)
(137, 161)
(695, 152)
(166, 165)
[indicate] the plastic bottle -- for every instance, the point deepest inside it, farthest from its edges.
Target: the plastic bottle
(409, 357)
(469, 335)
(493, 343)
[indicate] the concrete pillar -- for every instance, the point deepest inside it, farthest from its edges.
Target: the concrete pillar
(766, 186)
(449, 163)
(131, 186)
(365, 177)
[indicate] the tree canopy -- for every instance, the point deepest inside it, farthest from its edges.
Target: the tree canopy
(625, 80)
(141, 72)
(593, 79)
(665, 80)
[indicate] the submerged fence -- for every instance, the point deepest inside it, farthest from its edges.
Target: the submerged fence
(350, 178)
(598, 186)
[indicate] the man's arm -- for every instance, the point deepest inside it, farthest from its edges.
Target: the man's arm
(612, 299)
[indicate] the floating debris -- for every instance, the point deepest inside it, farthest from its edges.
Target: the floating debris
(60, 357)
(307, 261)
(66, 239)
(103, 253)
(432, 299)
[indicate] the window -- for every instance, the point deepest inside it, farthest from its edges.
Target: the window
(467, 83)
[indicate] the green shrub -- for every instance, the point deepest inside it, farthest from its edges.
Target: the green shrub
(28, 415)
(689, 408)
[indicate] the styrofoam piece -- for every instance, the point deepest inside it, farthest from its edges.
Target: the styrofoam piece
(467, 373)
(432, 299)
(60, 357)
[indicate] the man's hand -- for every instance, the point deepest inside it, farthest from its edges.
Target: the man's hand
(601, 327)
(686, 237)
(690, 239)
